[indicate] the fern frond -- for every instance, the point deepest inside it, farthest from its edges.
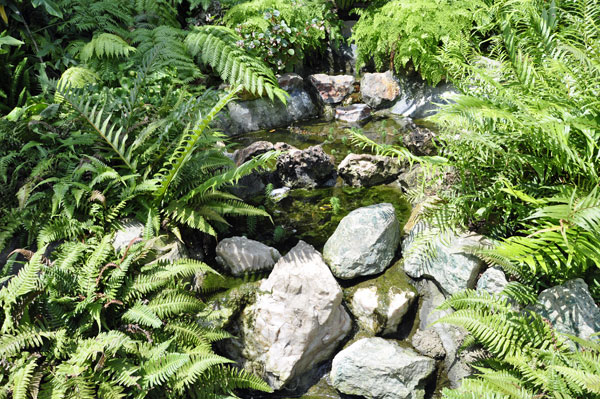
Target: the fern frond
(106, 45)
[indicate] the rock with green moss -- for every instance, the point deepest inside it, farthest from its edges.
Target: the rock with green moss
(364, 242)
(380, 304)
(376, 368)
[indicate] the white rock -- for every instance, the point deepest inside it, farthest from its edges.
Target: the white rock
(241, 255)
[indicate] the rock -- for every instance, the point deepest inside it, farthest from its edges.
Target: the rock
(428, 343)
(376, 368)
(297, 321)
(354, 113)
(365, 170)
(262, 113)
(239, 255)
(223, 308)
(309, 168)
(290, 82)
(453, 269)
(493, 280)
(167, 248)
(279, 193)
(249, 186)
(257, 148)
(332, 89)
(364, 243)
(419, 100)
(570, 308)
(380, 304)
(420, 141)
(379, 89)
(451, 337)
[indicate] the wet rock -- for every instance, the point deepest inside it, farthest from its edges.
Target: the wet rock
(309, 168)
(380, 304)
(332, 89)
(570, 308)
(257, 148)
(376, 368)
(364, 242)
(297, 320)
(428, 343)
(493, 280)
(449, 265)
(365, 170)
(379, 89)
(419, 100)
(239, 255)
(420, 141)
(354, 113)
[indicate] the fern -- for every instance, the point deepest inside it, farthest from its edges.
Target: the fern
(215, 46)
(105, 45)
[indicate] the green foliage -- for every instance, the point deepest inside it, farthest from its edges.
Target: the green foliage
(89, 325)
(531, 359)
(408, 34)
(216, 46)
(282, 32)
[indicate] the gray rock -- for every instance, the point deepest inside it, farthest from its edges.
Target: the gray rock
(380, 304)
(130, 230)
(257, 148)
(449, 265)
(332, 89)
(419, 141)
(379, 89)
(309, 168)
(376, 368)
(365, 170)
(239, 255)
(428, 343)
(570, 308)
(354, 113)
(290, 82)
(364, 243)
(493, 280)
(419, 100)
(279, 193)
(451, 337)
(297, 320)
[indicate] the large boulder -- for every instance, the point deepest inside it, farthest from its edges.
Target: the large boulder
(380, 304)
(365, 170)
(240, 255)
(379, 89)
(297, 320)
(449, 264)
(570, 308)
(364, 243)
(354, 113)
(309, 168)
(376, 368)
(332, 89)
(263, 113)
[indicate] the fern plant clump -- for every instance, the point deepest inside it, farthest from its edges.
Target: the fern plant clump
(91, 325)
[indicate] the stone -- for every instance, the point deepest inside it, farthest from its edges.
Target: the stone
(309, 168)
(278, 194)
(332, 89)
(290, 81)
(493, 280)
(418, 100)
(420, 141)
(570, 308)
(257, 148)
(376, 368)
(449, 265)
(380, 304)
(379, 89)
(451, 337)
(167, 248)
(364, 243)
(353, 113)
(297, 320)
(240, 255)
(428, 343)
(223, 308)
(366, 170)
(262, 113)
